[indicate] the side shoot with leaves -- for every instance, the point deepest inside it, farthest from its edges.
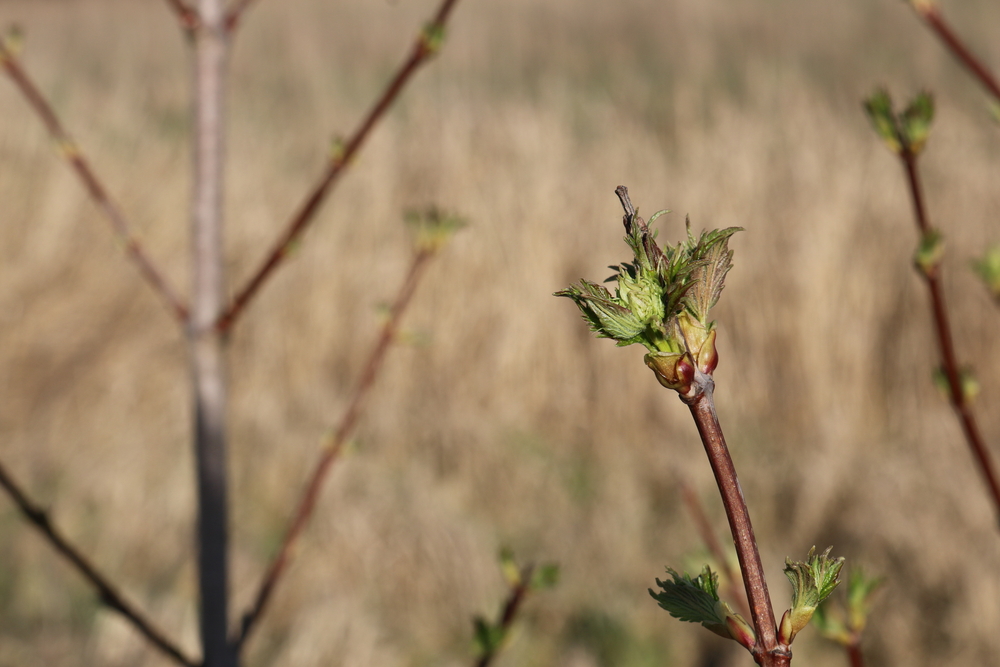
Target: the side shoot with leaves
(662, 301)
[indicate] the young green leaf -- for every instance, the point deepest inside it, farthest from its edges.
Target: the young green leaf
(697, 601)
(988, 269)
(812, 582)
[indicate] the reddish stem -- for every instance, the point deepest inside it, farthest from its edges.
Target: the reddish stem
(333, 446)
(235, 13)
(511, 607)
(422, 50)
(854, 656)
(767, 651)
(931, 15)
(106, 590)
(96, 190)
(942, 330)
(186, 14)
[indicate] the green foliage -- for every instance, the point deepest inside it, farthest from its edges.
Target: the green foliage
(432, 227)
(697, 601)
(845, 626)
(904, 132)
(813, 580)
(929, 252)
(663, 298)
(988, 268)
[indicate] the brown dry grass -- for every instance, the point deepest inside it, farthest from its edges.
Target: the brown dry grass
(511, 425)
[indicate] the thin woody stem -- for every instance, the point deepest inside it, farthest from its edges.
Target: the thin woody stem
(422, 50)
(942, 330)
(98, 193)
(107, 592)
(511, 607)
(186, 14)
(235, 13)
(333, 446)
(767, 652)
(931, 15)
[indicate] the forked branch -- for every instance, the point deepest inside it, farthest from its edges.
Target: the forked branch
(98, 193)
(426, 45)
(108, 593)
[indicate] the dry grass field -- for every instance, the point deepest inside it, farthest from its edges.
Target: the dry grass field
(503, 422)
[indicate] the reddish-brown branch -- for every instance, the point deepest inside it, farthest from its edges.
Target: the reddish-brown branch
(854, 655)
(96, 190)
(422, 50)
(942, 330)
(235, 13)
(333, 446)
(186, 14)
(106, 590)
(931, 15)
(511, 607)
(767, 652)
(708, 536)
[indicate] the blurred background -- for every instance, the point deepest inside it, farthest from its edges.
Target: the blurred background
(501, 421)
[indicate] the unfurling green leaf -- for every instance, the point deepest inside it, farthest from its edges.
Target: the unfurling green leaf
(812, 582)
(929, 252)
(846, 626)
(433, 227)
(487, 636)
(916, 120)
(697, 601)
(883, 118)
(988, 269)
(662, 299)
(906, 131)
(966, 379)
(546, 576)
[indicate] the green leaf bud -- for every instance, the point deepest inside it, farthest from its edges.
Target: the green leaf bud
(812, 582)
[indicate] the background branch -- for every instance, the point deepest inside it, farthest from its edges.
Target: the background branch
(425, 46)
(334, 444)
(105, 589)
(942, 331)
(931, 15)
(98, 193)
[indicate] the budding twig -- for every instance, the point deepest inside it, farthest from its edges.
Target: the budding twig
(98, 193)
(942, 331)
(333, 446)
(931, 15)
(425, 46)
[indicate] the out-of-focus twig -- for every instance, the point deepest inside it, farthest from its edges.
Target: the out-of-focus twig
(942, 330)
(426, 45)
(109, 595)
(186, 14)
(512, 605)
(708, 536)
(71, 152)
(235, 13)
(333, 445)
(930, 13)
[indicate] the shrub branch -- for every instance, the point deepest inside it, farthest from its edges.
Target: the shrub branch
(107, 591)
(426, 45)
(95, 188)
(334, 445)
(931, 15)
